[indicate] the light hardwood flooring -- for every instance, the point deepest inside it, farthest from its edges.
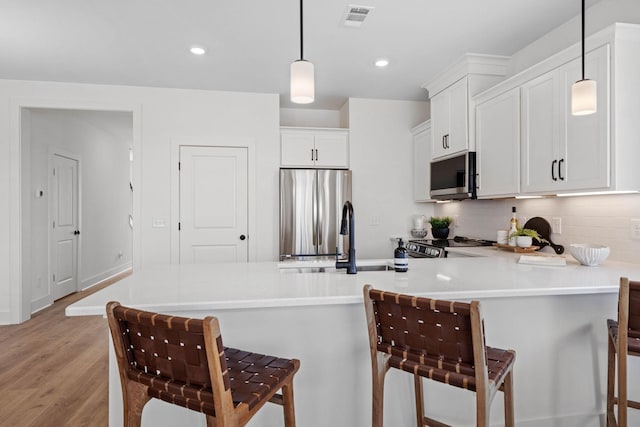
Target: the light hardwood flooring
(54, 369)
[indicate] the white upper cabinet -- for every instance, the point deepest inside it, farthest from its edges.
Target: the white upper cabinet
(450, 124)
(314, 148)
(452, 106)
(421, 162)
(562, 152)
(498, 151)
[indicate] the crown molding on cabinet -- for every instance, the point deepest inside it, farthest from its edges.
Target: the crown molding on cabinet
(470, 63)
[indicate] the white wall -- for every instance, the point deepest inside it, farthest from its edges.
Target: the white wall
(381, 147)
(102, 141)
(306, 117)
(160, 117)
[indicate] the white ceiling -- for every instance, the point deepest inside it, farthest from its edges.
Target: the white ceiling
(251, 43)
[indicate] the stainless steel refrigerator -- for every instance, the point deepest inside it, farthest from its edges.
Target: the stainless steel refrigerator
(310, 211)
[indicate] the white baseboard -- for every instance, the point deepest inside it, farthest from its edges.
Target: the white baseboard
(5, 317)
(41, 303)
(101, 277)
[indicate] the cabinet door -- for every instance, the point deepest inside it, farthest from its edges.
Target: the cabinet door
(421, 165)
(459, 121)
(332, 150)
(440, 123)
(585, 155)
(498, 145)
(449, 120)
(540, 133)
(297, 149)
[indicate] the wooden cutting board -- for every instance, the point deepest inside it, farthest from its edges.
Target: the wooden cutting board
(543, 228)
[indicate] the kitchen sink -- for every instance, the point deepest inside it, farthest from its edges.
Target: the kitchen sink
(334, 270)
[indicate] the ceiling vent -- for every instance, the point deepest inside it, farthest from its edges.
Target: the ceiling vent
(355, 15)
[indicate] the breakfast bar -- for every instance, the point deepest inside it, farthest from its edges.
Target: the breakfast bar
(554, 317)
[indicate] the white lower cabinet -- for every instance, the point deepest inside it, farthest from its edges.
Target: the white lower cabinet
(421, 162)
(498, 151)
(314, 148)
(562, 152)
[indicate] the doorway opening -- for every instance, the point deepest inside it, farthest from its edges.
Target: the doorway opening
(77, 204)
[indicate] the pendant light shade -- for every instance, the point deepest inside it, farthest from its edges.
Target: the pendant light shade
(302, 75)
(584, 97)
(302, 82)
(584, 93)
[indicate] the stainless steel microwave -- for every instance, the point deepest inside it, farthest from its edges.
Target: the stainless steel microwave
(454, 178)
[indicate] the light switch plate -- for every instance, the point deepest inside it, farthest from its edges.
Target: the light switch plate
(635, 229)
(556, 225)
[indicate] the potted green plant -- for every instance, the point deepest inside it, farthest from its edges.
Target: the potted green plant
(524, 237)
(440, 226)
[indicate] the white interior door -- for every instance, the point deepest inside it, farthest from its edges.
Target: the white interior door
(213, 204)
(64, 222)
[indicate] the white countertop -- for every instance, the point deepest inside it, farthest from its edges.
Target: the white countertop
(491, 273)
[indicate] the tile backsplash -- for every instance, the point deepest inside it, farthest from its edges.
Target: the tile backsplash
(604, 219)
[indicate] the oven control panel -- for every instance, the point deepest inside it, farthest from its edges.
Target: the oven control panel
(417, 249)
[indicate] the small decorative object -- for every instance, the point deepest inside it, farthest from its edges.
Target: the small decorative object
(588, 253)
(440, 226)
(401, 258)
(418, 222)
(524, 237)
(419, 233)
(524, 241)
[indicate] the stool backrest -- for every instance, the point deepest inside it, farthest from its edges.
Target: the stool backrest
(634, 306)
(416, 328)
(171, 348)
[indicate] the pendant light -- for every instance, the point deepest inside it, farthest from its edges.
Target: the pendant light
(584, 94)
(302, 75)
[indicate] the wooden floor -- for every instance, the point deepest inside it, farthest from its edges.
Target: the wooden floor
(54, 369)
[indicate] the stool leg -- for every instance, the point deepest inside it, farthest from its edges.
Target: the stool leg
(508, 400)
(134, 401)
(289, 409)
(379, 369)
(622, 387)
(611, 372)
(417, 381)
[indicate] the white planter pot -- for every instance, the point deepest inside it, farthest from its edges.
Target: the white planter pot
(524, 241)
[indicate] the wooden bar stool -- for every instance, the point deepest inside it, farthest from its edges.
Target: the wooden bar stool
(439, 340)
(624, 340)
(182, 361)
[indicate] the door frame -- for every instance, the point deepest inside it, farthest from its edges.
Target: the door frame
(20, 293)
(55, 151)
(230, 142)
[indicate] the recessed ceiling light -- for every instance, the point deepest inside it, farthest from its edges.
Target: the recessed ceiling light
(382, 62)
(197, 50)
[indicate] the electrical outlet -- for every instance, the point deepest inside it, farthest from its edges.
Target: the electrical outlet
(556, 225)
(457, 222)
(635, 229)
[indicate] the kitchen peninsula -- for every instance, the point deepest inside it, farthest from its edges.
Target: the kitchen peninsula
(554, 317)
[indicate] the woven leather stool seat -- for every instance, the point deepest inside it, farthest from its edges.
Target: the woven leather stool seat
(624, 340)
(461, 374)
(439, 340)
(182, 361)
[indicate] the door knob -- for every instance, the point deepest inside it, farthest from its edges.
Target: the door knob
(76, 232)
(242, 237)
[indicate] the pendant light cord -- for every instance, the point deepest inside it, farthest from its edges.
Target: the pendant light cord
(582, 37)
(302, 44)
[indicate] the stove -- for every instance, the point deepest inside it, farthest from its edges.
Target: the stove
(436, 248)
